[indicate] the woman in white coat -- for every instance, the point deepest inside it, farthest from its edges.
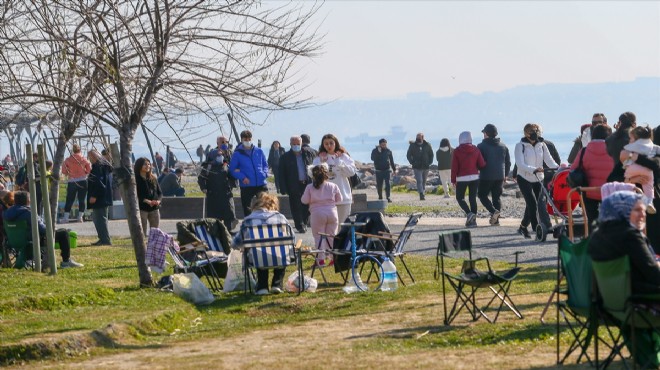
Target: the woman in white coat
(531, 152)
(340, 168)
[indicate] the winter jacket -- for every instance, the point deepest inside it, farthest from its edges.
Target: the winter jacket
(23, 213)
(289, 181)
(147, 190)
(251, 164)
(214, 176)
(76, 167)
(326, 196)
(341, 168)
(577, 145)
(99, 186)
(530, 157)
(444, 158)
(597, 164)
(498, 162)
(616, 142)
(274, 157)
(383, 159)
(466, 161)
(420, 156)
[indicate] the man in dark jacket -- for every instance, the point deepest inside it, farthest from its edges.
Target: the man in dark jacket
(293, 172)
(491, 177)
(384, 165)
(420, 156)
(171, 184)
(306, 140)
(217, 183)
(620, 137)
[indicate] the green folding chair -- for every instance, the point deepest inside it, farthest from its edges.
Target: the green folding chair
(638, 316)
(18, 235)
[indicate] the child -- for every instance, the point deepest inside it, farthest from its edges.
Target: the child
(322, 197)
(640, 144)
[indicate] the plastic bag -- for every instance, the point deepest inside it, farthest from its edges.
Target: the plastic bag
(189, 287)
(235, 279)
(293, 283)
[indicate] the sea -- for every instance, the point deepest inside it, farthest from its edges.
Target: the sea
(362, 152)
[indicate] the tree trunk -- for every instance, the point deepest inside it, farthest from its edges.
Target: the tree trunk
(124, 172)
(58, 159)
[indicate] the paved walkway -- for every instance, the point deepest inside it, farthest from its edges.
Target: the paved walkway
(497, 242)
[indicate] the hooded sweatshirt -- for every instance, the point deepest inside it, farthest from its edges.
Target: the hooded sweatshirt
(466, 160)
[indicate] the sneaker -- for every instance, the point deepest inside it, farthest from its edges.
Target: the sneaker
(262, 292)
(70, 263)
(651, 209)
(495, 219)
(523, 231)
(389, 200)
(276, 290)
(421, 197)
(79, 218)
(471, 219)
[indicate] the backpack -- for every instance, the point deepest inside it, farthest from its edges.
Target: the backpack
(21, 176)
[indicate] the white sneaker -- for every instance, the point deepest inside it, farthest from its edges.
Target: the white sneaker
(70, 263)
(80, 218)
(262, 292)
(276, 290)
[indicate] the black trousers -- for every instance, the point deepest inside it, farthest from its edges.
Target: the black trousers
(247, 193)
(531, 192)
(278, 278)
(494, 189)
(383, 177)
(299, 211)
(471, 186)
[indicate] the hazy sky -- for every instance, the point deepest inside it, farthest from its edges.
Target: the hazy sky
(376, 49)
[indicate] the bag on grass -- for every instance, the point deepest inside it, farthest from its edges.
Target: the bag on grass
(189, 287)
(235, 279)
(293, 283)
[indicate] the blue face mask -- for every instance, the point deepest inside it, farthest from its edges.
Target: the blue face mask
(224, 146)
(296, 148)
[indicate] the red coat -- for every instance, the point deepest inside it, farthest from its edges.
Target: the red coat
(467, 160)
(597, 165)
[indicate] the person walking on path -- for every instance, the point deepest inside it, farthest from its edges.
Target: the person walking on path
(200, 153)
(420, 156)
(384, 166)
(294, 179)
(340, 168)
(443, 156)
(492, 176)
(217, 183)
(322, 197)
(76, 168)
(249, 166)
(99, 195)
(465, 165)
(149, 194)
(274, 155)
(531, 153)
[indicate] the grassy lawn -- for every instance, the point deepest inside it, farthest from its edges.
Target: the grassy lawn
(104, 294)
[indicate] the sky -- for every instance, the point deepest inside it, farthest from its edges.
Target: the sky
(388, 49)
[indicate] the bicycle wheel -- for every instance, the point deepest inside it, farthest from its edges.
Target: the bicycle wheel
(367, 273)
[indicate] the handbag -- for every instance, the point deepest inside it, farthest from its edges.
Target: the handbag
(577, 177)
(355, 180)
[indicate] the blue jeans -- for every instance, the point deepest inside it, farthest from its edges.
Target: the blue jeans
(100, 219)
(75, 190)
(420, 177)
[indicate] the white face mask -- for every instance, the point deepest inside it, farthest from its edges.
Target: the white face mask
(295, 148)
(219, 159)
(246, 144)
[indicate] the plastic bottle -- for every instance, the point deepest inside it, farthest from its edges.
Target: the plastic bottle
(389, 276)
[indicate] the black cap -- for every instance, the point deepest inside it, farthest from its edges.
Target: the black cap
(382, 141)
(490, 130)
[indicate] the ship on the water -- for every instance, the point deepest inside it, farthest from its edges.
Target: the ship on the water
(396, 135)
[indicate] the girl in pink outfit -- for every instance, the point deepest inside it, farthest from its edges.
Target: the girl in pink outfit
(640, 144)
(322, 197)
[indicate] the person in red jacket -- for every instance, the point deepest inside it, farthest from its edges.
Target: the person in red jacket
(465, 165)
(597, 164)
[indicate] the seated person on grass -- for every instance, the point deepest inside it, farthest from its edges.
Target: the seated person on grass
(21, 211)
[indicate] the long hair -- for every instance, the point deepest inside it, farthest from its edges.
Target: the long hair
(444, 143)
(319, 175)
(138, 166)
(338, 147)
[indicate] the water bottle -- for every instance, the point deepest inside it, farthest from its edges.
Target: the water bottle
(389, 276)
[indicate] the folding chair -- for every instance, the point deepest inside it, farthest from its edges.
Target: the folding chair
(471, 278)
(633, 313)
(211, 232)
(267, 246)
(577, 310)
(18, 241)
(378, 247)
(193, 258)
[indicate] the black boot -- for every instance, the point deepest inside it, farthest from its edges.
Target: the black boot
(523, 231)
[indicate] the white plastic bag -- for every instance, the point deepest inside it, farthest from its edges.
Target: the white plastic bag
(189, 287)
(235, 279)
(293, 283)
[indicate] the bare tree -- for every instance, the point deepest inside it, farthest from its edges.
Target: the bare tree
(162, 58)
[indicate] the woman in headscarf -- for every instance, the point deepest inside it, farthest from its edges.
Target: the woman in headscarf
(465, 165)
(622, 220)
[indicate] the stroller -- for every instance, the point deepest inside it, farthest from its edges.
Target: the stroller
(556, 204)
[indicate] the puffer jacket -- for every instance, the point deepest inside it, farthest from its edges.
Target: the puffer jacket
(467, 160)
(420, 156)
(597, 165)
(498, 162)
(250, 164)
(530, 157)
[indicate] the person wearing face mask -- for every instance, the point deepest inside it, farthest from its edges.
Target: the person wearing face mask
(294, 179)
(217, 183)
(531, 153)
(250, 167)
(620, 232)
